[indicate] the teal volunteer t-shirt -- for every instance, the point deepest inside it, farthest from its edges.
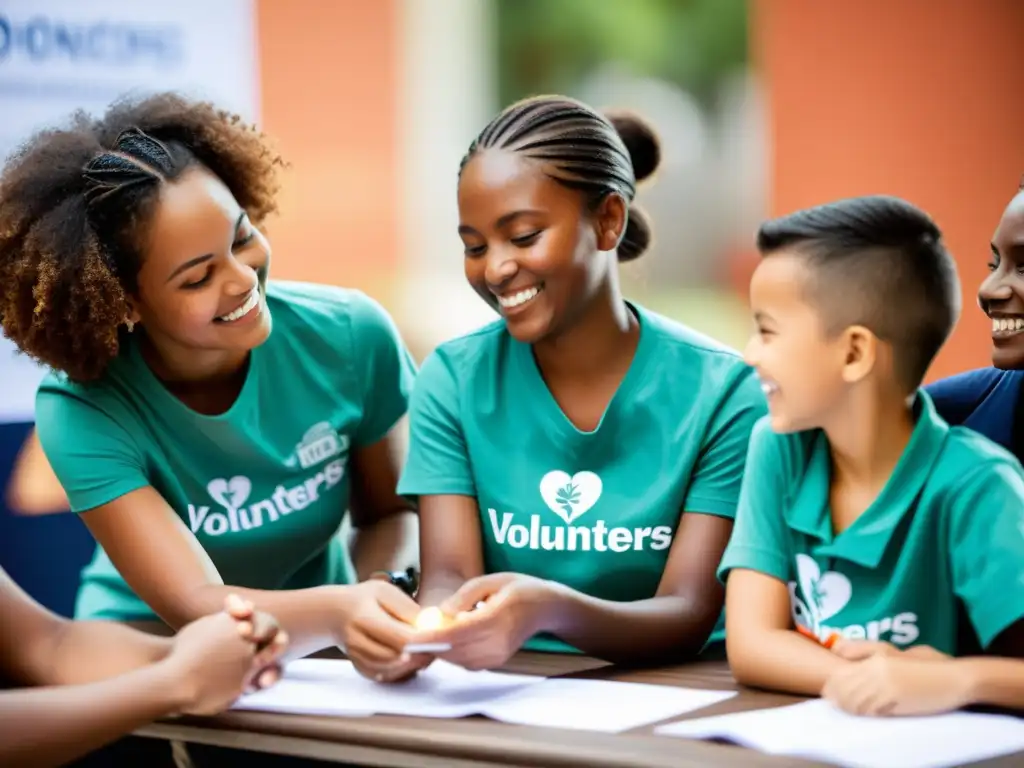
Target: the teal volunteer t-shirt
(263, 486)
(947, 527)
(598, 510)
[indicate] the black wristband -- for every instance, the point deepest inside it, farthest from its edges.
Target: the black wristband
(407, 580)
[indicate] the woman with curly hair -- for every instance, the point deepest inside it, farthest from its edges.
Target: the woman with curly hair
(210, 427)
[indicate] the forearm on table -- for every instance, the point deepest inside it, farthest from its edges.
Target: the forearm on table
(53, 726)
(86, 651)
(657, 629)
(780, 660)
(993, 682)
(388, 544)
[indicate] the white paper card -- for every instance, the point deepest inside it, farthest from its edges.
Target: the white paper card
(599, 705)
(334, 688)
(817, 730)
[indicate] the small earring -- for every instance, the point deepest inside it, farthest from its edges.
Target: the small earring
(131, 325)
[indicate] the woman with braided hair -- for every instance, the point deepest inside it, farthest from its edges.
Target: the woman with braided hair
(578, 462)
(210, 426)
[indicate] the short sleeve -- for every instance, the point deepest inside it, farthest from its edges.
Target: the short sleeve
(94, 458)
(760, 537)
(385, 365)
(438, 461)
(986, 546)
(715, 485)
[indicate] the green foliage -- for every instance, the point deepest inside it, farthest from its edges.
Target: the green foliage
(547, 46)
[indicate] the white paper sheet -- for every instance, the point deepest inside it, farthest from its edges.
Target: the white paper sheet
(598, 705)
(816, 730)
(334, 688)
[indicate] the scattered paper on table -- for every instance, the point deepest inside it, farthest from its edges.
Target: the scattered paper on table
(599, 705)
(334, 688)
(817, 730)
(301, 697)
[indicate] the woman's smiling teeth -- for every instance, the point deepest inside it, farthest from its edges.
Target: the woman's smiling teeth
(249, 304)
(512, 300)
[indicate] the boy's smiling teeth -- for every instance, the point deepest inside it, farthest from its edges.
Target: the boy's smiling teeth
(1007, 325)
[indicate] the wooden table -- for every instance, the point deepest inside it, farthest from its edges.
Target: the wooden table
(386, 740)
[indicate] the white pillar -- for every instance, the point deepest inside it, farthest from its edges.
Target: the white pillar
(446, 95)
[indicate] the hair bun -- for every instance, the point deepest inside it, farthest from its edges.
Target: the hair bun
(641, 141)
(638, 235)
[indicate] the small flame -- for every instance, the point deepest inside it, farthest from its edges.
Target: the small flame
(430, 618)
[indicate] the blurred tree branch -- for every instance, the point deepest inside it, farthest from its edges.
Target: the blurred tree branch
(547, 46)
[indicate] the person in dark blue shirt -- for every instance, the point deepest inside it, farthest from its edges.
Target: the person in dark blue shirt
(988, 400)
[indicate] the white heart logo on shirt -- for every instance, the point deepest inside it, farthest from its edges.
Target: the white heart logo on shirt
(230, 494)
(570, 497)
(828, 593)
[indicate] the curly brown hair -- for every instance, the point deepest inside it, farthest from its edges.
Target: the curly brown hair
(74, 202)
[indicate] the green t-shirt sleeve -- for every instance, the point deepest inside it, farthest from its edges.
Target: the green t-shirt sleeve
(385, 368)
(438, 461)
(759, 537)
(92, 455)
(986, 546)
(718, 474)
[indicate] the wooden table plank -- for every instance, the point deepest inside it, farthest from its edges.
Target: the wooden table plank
(410, 742)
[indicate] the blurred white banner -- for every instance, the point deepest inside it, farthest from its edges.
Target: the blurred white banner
(57, 56)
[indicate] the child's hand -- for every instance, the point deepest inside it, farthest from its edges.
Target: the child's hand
(858, 650)
(898, 685)
(926, 653)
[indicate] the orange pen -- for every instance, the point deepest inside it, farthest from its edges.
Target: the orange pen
(828, 642)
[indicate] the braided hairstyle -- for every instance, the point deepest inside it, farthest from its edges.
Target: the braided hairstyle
(74, 204)
(583, 150)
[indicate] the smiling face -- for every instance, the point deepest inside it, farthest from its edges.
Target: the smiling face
(1001, 295)
(204, 268)
(800, 367)
(533, 252)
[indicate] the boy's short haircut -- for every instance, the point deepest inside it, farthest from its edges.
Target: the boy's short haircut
(879, 262)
